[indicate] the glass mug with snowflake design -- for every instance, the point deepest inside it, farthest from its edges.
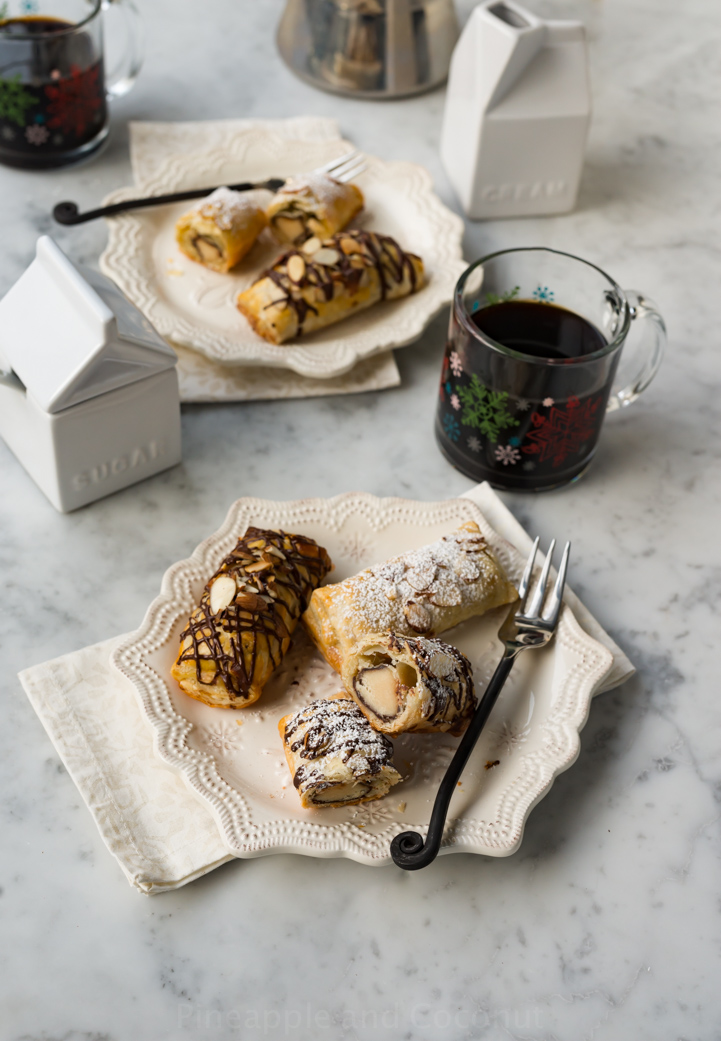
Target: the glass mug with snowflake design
(53, 81)
(532, 366)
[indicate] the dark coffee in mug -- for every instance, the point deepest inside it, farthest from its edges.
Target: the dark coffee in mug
(541, 330)
(52, 91)
(534, 342)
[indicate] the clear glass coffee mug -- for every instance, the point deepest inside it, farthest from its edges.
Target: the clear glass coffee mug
(524, 410)
(53, 82)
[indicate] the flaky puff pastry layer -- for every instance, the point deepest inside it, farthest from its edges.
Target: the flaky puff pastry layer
(421, 593)
(221, 229)
(313, 205)
(411, 684)
(334, 756)
(242, 627)
(307, 289)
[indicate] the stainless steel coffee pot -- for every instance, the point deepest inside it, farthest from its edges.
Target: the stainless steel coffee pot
(369, 48)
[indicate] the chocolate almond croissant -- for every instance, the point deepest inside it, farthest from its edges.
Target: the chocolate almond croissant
(242, 627)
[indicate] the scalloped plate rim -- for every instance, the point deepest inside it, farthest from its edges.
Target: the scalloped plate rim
(308, 843)
(125, 234)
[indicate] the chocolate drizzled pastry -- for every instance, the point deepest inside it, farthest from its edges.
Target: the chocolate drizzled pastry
(404, 683)
(313, 204)
(242, 627)
(323, 282)
(334, 755)
(221, 229)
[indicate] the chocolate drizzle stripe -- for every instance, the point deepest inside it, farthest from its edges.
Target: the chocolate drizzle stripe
(378, 252)
(230, 643)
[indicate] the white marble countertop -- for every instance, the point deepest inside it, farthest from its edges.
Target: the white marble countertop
(605, 925)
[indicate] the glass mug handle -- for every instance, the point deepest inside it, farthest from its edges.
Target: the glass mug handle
(638, 369)
(121, 77)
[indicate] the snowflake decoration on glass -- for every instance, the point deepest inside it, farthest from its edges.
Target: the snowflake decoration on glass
(543, 293)
(507, 454)
(36, 135)
(548, 402)
(8, 133)
(456, 364)
(502, 298)
(474, 444)
(485, 409)
(515, 441)
(29, 7)
(509, 737)
(451, 427)
(563, 433)
(75, 101)
(223, 737)
(455, 402)
(15, 100)
(522, 405)
(529, 465)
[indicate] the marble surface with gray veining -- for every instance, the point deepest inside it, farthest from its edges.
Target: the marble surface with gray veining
(606, 924)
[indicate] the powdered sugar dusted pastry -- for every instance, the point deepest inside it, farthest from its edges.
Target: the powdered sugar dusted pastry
(334, 756)
(221, 229)
(240, 631)
(322, 282)
(313, 205)
(404, 683)
(421, 593)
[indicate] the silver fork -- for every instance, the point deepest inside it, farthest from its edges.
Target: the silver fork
(344, 168)
(524, 628)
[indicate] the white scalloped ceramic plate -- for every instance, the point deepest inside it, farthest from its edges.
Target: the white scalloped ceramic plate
(195, 307)
(234, 760)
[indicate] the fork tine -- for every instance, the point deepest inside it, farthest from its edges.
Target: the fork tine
(351, 169)
(534, 608)
(523, 585)
(333, 164)
(554, 604)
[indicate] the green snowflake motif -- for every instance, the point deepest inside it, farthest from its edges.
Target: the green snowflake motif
(485, 409)
(15, 100)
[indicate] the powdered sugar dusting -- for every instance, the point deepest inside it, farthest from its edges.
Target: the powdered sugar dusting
(318, 186)
(410, 594)
(227, 208)
(336, 727)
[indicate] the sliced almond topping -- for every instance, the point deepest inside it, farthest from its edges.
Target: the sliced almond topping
(418, 617)
(421, 577)
(349, 245)
(250, 601)
(222, 593)
(260, 565)
(296, 268)
(326, 256)
(256, 544)
(311, 245)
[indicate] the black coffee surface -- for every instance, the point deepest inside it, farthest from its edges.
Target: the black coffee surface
(541, 330)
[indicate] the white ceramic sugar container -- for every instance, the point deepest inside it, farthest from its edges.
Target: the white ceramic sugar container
(89, 397)
(518, 108)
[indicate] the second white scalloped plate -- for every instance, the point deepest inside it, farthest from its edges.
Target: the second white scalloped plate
(233, 760)
(195, 307)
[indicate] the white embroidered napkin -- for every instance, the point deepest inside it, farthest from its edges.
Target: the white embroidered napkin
(200, 378)
(157, 830)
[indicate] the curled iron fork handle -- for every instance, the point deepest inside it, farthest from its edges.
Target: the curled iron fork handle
(523, 629)
(408, 849)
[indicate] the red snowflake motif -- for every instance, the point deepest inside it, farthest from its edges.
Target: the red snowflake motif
(75, 101)
(564, 431)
